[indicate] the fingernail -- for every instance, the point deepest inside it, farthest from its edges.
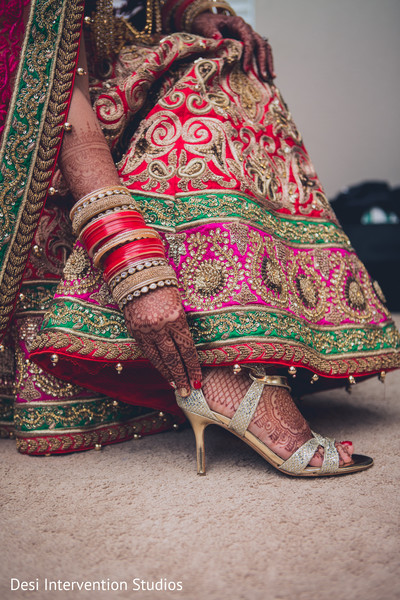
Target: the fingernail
(347, 443)
(197, 385)
(184, 392)
(217, 36)
(172, 384)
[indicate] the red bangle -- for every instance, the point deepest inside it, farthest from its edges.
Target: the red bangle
(103, 228)
(102, 234)
(133, 250)
(112, 218)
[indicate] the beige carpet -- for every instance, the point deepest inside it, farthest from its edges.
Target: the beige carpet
(138, 511)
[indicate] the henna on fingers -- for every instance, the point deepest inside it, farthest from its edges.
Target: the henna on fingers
(215, 26)
(151, 352)
(158, 323)
(265, 61)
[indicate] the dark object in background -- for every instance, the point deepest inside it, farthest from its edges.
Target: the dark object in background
(370, 215)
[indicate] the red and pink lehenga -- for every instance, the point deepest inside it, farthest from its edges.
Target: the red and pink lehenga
(218, 167)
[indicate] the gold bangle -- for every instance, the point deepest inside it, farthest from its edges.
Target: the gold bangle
(99, 216)
(147, 288)
(140, 265)
(121, 238)
(97, 195)
(140, 279)
(99, 209)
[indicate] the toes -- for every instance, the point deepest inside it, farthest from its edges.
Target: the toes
(345, 451)
(349, 446)
(318, 458)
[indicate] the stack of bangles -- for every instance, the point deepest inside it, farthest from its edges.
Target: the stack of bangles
(116, 237)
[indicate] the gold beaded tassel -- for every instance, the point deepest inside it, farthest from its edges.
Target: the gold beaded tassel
(109, 33)
(102, 29)
(153, 23)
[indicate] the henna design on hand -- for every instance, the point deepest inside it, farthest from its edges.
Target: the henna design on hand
(158, 323)
(212, 26)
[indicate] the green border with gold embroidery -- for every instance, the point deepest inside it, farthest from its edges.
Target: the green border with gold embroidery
(229, 326)
(33, 133)
(193, 210)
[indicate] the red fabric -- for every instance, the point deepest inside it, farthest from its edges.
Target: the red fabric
(11, 32)
(138, 383)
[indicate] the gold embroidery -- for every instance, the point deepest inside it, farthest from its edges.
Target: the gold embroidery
(54, 241)
(280, 118)
(308, 288)
(80, 276)
(97, 348)
(379, 292)
(35, 191)
(289, 353)
(176, 246)
(32, 381)
(208, 283)
(41, 442)
(249, 93)
(267, 275)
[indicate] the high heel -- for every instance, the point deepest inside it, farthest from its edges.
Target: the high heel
(199, 425)
(200, 416)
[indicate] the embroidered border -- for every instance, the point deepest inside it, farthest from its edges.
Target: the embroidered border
(62, 415)
(72, 441)
(193, 210)
(272, 351)
(24, 183)
(101, 327)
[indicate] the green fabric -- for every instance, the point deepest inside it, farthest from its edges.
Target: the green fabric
(225, 327)
(186, 210)
(51, 416)
(23, 130)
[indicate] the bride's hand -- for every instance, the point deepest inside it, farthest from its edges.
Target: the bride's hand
(157, 322)
(219, 26)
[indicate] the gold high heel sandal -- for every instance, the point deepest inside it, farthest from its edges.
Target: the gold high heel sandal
(200, 416)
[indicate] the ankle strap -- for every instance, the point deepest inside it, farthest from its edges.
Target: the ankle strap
(275, 380)
(246, 409)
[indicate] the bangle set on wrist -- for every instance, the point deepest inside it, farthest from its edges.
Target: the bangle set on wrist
(117, 238)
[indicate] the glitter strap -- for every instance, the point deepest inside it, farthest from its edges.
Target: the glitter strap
(242, 417)
(300, 459)
(244, 414)
(195, 403)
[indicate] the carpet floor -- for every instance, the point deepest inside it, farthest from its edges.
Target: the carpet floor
(135, 516)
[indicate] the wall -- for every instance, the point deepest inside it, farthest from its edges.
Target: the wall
(338, 66)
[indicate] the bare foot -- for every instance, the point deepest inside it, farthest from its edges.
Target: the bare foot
(277, 421)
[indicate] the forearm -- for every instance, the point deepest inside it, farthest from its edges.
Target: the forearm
(85, 159)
